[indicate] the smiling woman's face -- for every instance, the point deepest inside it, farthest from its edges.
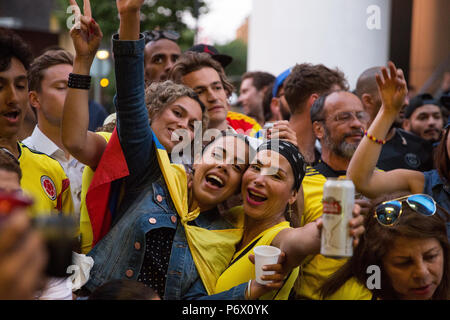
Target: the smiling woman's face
(179, 115)
(415, 267)
(218, 175)
(267, 186)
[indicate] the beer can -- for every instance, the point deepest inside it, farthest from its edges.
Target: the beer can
(338, 201)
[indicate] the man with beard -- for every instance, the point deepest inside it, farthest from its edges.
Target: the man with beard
(424, 118)
(402, 149)
(339, 121)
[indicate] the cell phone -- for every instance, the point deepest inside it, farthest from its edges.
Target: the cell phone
(13, 200)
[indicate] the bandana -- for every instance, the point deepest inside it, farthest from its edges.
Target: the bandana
(291, 153)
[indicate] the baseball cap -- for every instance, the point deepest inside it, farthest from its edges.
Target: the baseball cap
(224, 59)
(279, 81)
(418, 101)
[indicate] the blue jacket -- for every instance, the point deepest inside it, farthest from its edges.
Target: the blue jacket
(435, 187)
(146, 203)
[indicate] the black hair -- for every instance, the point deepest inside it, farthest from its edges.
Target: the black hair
(123, 290)
(13, 46)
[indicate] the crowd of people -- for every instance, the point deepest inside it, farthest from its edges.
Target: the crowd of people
(168, 196)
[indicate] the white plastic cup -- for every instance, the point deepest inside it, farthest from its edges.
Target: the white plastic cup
(265, 255)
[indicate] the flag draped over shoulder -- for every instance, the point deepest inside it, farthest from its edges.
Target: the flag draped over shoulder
(211, 250)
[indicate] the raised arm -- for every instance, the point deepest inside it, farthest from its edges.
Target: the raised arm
(129, 12)
(371, 183)
(133, 126)
(82, 144)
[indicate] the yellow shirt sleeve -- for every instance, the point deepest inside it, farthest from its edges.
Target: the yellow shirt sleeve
(242, 270)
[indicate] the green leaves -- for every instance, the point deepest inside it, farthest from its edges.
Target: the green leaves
(165, 14)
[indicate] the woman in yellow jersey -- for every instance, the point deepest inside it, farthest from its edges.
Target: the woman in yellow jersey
(404, 254)
(269, 188)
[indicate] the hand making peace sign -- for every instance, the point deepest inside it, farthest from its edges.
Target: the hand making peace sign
(86, 34)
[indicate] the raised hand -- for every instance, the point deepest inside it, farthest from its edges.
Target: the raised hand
(392, 88)
(86, 34)
(129, 13)
(282, 130)
(128, 6)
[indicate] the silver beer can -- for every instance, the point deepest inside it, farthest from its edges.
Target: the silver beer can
(338, 201)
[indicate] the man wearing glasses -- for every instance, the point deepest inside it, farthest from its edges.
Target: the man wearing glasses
(305, 83)
(161, 52)
(339, 122)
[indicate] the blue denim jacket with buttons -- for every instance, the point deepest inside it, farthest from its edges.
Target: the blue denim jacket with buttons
(147, 202)
(440, 191)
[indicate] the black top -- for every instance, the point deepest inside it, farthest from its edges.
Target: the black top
(158, 246)
(406, 151)
(327, 171)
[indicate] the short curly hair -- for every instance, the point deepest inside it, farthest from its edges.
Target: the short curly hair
(12, 45)
(160, 95)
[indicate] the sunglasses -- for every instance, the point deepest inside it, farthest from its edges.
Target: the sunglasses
(155, 35)
(388, 212)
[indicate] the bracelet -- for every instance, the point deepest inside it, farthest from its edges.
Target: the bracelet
(248, 289)
(79, 81)
(371, 137)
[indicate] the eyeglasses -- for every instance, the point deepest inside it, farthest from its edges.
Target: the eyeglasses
(155, 35)
(348, 116)
(388, 212)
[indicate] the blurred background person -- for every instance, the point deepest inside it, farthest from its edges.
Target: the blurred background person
(401, 149)
(160, 53)
(19, 244)
(424, 118)
(275, 106)
(254, 85)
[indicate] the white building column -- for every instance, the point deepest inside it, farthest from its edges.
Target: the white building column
(352, 35)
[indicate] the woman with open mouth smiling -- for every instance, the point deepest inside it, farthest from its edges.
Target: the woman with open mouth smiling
(406, 243)
(269, 188)
(161, 233)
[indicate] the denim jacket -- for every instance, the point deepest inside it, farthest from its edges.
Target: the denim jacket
(147, 204)
(440, 191)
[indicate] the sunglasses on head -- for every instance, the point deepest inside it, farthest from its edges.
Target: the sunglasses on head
(388, 212)
(155, 35)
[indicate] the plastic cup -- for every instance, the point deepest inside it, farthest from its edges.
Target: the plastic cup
(265, 255)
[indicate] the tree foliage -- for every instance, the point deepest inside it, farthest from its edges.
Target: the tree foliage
(238, 50)
(162, 14)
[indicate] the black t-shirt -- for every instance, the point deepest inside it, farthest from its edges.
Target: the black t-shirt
(406, 151)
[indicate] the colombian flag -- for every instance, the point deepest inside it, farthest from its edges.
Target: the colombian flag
(103, 194)
(244, 124)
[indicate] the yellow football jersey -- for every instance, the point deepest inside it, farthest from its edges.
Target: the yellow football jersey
(315, 270)
(45, 181)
